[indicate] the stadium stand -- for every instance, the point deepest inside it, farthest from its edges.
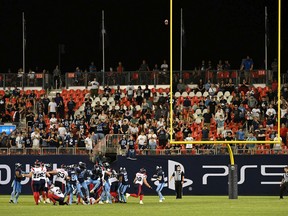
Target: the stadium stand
(70, 121)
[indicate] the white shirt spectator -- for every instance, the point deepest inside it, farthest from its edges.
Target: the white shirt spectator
(142, 140)
(219, 113)
(53, 122)
(94, 84)
(256, 112)
(35, 136)
(130, 90)
(62, 131)
(19, 142)
(133, 129)
(52, 106)
(164, 67)
(88, 143)
(189, 145)
(271, 111)
(277, 146)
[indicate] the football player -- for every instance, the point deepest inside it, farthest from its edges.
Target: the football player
(55, 195)
(36, 174)
(140, 178)
(161, 180)
(123, 184)
(16, 183)
(106, 184)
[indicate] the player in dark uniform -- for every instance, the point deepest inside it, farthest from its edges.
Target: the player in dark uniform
(284, 182)
(82, 175)
(96, 179)
(16, 184)
(123, 184)
(71, 183)
(161, 179)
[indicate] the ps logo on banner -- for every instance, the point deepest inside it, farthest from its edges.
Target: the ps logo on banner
(242, 172)
(171, 169)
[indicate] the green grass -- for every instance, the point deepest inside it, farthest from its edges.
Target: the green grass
(189, 205)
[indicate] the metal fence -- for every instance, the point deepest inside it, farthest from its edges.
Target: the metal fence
(43, 80)
(73, 79)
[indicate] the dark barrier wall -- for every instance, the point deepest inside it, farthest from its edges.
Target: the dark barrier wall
(204, 175)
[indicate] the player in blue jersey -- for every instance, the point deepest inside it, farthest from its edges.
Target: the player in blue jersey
(161, 182)
(106, 184)
(123, 184)
(16, 183)
(82, 175)
(71, 183)
(96, 179)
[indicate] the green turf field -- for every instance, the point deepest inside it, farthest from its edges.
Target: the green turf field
(189, 205)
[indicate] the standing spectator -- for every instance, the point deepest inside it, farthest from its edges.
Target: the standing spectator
(220, 124)
(130, 91)
(142, 141)
(207, 118)
(226, 65)
(139, 97)
(60, 105)
(143, 69)
(30, 118)
(147, 93)
(35, 137)
(57, 77)
(45, 102)
(250, 146)
(164, 71)
(247, 65)
(92, 68)
(120, 70)
(162, 137)
(123, 145)
(52, 107)
(274, 67)
(131, 148)
(94, 88)
(89, 144)
(71, 106)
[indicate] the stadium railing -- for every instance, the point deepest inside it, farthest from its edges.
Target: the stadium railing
(216, 76)
(73, 79)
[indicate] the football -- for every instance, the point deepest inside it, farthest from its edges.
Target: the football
(166, 22)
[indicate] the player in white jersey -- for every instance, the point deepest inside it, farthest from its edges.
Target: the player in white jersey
(37, 173)
(140, 178)
(60, 179)
(55, 195)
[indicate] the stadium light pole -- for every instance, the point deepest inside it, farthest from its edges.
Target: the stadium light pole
(103, 47)
(23, 41)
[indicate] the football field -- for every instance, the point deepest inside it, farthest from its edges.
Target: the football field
(189, 205)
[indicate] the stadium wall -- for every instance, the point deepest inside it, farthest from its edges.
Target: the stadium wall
(204, 175)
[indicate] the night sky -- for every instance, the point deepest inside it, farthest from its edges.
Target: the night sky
(214, 29)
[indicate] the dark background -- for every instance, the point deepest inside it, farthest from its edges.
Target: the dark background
(214, 29)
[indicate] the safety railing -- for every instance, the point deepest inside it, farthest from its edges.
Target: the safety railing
(72, 79)
(217, 76)
(112, 146)
(43, 80)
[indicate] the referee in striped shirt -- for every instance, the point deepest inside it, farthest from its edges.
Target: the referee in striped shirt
(284, 182)
(178, 176)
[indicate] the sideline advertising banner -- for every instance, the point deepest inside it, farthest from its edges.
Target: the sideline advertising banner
(204, 175)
